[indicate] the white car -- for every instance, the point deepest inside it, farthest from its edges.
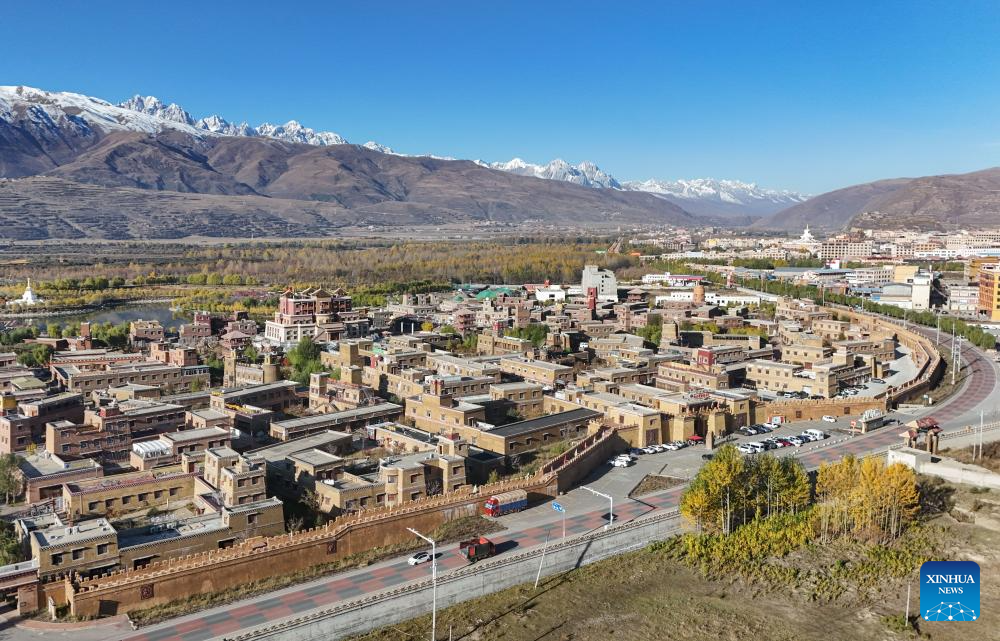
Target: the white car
(418, 558)
(797, 441)
(649, 449)
(829, 419)
(621, 462)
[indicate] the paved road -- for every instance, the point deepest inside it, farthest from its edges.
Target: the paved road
(349, 585)
(585, 513)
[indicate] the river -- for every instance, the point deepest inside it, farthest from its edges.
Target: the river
(123, 314)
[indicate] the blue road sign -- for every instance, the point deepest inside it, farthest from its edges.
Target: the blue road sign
(557, 507)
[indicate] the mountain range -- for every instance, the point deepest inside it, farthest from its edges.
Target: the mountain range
(79, 166)
(939, 203)
(72, 165)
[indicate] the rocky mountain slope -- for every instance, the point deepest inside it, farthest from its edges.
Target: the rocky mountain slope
(933, 202)
(149, 159)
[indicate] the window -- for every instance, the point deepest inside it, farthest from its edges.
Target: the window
(126, 500)
(92, 506)
(143, 496)
(78, 554)
(158, 494)
(102, 548)
(57, 559)
(173, 491)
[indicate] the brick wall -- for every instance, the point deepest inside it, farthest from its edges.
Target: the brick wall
(263, 557)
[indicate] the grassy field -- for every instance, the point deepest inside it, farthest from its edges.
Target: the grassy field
(650, 595)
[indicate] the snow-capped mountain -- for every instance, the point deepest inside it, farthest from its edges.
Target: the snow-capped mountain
(62, 123)
(382, 149)
(733, 192)
(586, 173)
(699, 195)
(52, 109)
(291, 131)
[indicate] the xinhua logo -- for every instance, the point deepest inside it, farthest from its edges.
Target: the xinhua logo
(949, 591)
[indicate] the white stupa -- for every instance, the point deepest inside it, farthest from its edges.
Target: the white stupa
(805, 242)
(28, 298)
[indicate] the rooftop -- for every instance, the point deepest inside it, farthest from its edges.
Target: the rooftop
(284, 449)
(334, 418)
(69, 534)
(45, 464)
(185, 436)
(543, 422)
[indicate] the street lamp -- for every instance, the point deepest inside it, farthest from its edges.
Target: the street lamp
(611, 514)
(434, 583)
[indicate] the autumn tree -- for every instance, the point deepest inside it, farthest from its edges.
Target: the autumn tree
(866, 499)
(731, 490)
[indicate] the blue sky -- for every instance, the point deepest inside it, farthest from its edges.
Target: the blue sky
(800, 95)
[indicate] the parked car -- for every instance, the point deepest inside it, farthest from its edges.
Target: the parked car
(829, 419)
(635, 451)
(418, 558)
(796, 441)
(621, 462)
(784, 442)
(818, 435)
(649, 449)
(878, 381)
(763, 429)
(681, 444)
(707, 457)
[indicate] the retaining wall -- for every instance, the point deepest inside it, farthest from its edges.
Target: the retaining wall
(361, 616)
(264, 557)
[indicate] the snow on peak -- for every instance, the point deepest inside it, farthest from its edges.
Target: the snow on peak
(710, 189)
(382, 149)
(153, 106)
(51, 110)
(586, 173)
(293, 131)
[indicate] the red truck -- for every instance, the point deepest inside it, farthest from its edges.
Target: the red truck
(505, 503)
(477, 549)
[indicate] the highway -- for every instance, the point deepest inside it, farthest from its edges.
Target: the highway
(586, 512)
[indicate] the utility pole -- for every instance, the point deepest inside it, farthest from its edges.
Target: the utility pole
(937, 340)
(956, 356)
(907, 620)
(541, 561)
(981, 428)
(434, 581)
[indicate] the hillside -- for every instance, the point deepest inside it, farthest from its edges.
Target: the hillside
(954, 201)
(833, 210)
(82, 167)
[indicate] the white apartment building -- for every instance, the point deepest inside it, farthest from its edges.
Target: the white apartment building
(603, 280)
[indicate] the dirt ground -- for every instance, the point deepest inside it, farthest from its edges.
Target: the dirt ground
(643, 596)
